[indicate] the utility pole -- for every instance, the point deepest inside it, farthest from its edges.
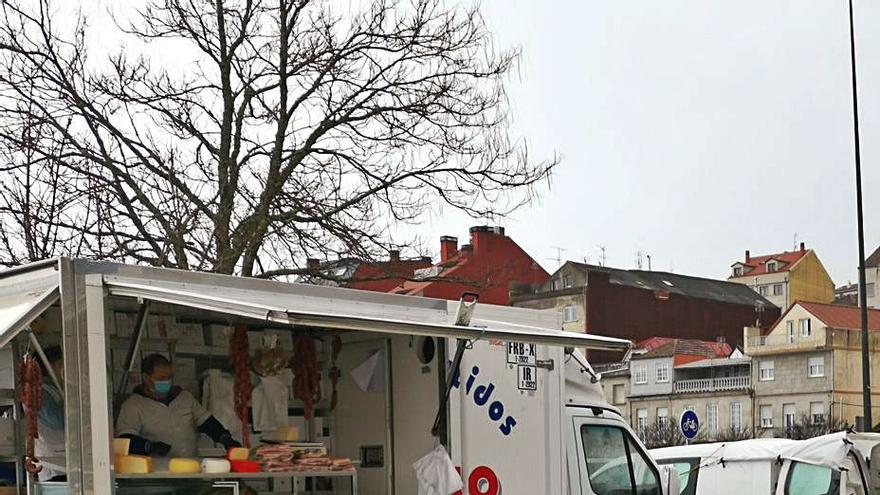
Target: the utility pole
(867, 423)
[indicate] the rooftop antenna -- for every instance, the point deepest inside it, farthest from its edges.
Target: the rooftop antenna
(602, 257)
(649, 261)
(795, 248)
(639, 255)
(558, 258)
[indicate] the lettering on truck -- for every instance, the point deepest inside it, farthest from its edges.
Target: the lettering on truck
(481, 396)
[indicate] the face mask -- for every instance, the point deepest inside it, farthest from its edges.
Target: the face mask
(162, 387)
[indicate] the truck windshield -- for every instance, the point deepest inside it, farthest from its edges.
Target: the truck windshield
(615, 464)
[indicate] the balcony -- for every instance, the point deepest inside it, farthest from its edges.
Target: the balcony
(712, 384)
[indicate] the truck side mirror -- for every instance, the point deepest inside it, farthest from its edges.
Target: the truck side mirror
(669, 479)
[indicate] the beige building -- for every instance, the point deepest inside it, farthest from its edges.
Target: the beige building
(872, 276)
(809, 365)
(785, 277)
(706, 377)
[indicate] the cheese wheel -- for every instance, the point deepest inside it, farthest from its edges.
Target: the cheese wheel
(121, 445)
(238, 454)
(181, 465)
(245, 466)
(133, 464)
(215, 466)
(287, 434)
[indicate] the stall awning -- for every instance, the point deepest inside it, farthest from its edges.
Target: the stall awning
(24, 296)
(347, 310)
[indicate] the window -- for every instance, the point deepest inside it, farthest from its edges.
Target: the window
(766, 371)
(816, 367)
(788, 416)
(736, 416)
(688, 471)
(766, 416)
(789, 331)
(771, 266)
(811, 479)
(869, 289)
(641, 419)
(618, 394)
(777, 289)
(640, 374)
(569, 314)
(763, 290)
(817, 412)
(712, 418)
(567, 281)
(615, 464)
(804, 325)
(737, 271)
(554, 284)
(662, 372)
(662, 416)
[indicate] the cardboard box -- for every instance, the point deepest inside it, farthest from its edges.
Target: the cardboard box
(124, 324)
(189, 333)
(185, 374)
(217, 335)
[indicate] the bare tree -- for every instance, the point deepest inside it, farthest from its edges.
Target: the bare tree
(296, 131)
(805, 427)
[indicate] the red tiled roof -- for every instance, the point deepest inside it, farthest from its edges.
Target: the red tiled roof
(666, 347)
(788, 259)
(840, 316)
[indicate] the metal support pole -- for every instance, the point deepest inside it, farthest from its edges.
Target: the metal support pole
(139, 324)
(868, 424)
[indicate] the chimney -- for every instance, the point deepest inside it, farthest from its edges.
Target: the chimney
(448, 248)
(394, 255)
(803, 247)
(312, 264)
(721, 339)
(480, 235)
(466, 251)
(748, 256)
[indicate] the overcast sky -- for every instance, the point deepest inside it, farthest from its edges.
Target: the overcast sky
(693, 130)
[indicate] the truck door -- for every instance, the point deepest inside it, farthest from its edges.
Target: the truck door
(609, 460)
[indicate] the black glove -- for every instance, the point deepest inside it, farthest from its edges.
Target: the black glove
(159, 449)
(229, 442)
(142, 446)
(218, 433)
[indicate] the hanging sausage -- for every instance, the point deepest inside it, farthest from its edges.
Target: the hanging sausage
(306, 376)
(335, 373)
(31, 396)
(240, 359)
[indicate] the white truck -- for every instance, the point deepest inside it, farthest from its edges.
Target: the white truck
(834, 464)
(526, 414)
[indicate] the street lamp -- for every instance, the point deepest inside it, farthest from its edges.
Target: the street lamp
(863, 297)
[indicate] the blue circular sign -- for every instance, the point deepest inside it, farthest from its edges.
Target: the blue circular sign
(689, 424)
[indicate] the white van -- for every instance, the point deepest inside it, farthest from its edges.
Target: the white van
(526, 414)
(826, 465)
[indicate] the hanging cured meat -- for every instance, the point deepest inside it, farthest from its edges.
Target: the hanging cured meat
(31, 396)
(306, 376)
(335, 373)
(241, 368)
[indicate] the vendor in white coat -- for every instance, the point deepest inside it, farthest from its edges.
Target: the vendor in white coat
(161, 419)
(49, 444)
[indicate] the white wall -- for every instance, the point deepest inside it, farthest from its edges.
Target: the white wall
(415, 389)
(872, 276)
(359, 418)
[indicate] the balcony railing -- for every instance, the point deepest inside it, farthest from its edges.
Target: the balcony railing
(712, 384)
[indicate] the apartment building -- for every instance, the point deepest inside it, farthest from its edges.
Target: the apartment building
(639, 304)
(674, 375)
(872, 276)
(785, 277)
(809, 365)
